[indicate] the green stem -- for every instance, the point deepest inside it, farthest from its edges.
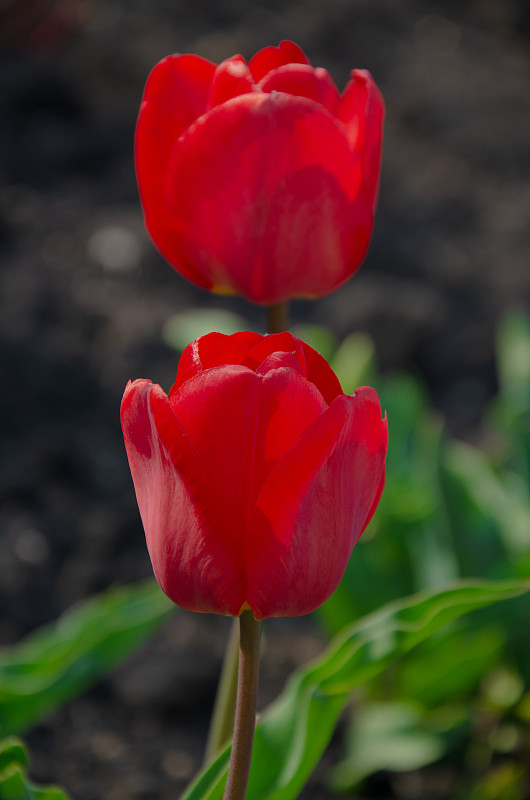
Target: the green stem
(277, 317)
(247, 697)
(222, 723)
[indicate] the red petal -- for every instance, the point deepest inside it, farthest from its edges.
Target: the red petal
(362, 110)
(231, 78)
(272, 57)
(192, 540)
(304, 81)
(279, 361)
(213, 350)
(290, 405)
(282, 172)
(313, 508)
(275, 343)
(175, 95)
(320, 373)
(241, 423)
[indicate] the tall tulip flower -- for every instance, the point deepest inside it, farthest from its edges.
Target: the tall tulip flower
(259, 179)
(255, 477)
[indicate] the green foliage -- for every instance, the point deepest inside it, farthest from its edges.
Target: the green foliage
(59, 661)
(385, 736)
(428, 671)
(353, 361)
(14, 783)
(449, 510)
(294, 731)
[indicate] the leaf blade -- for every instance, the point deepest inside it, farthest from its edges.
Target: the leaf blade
(294, 731)
(58, 661)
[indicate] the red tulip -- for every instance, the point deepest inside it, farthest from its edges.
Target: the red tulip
(259, 179)
(255, 477)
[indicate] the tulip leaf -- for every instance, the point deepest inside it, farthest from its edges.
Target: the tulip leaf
(451, 664)
(513, 360)
(492, 510)
(354, 362)
(14, 783)
(59, 661)
(294, 731)
(385, 736)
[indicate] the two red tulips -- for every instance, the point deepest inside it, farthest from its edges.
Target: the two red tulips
(256, 476)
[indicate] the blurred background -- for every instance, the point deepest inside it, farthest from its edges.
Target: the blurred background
(85, 298)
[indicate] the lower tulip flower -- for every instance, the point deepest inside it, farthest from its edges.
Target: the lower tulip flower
(255, 477)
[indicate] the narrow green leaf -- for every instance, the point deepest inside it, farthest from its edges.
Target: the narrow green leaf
(12, 751)
(293, 733)
(450, 665)
(59, 661)
(14, 782)
(354, 362)
(389, 736)
(490, 509)
(513, 360)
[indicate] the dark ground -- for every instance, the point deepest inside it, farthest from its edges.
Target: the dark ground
(84, 296)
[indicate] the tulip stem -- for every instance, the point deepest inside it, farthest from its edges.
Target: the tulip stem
(277, 317)
(222, 724)
(247, 696)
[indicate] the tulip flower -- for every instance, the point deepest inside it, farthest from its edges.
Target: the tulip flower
(259, 179)
(255, 477)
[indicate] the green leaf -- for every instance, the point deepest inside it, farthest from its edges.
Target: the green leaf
(14, 783)
(354, 362)
(293, 733)
(386, 736)
(184, 327)
(450, 664)
(59, 661)
(490, 514)
(513, 360)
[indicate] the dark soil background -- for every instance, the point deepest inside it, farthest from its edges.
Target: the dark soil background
(84, 296)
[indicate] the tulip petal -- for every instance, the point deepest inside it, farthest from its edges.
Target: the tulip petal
(175, 94)
(285, 177)
(320, 373)
(196, 558)
(303, 80)
(231, 78)
(269, 58)
(213, 350)
(362, 110)
(261, 417)
(315, 368)
(274, 343)
(314, 506)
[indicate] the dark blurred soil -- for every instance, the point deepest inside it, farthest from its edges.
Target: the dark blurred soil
(84, 296)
